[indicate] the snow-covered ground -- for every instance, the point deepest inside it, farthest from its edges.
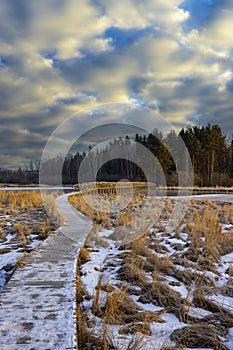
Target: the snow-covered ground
(21, 232)
(42, 293)
(197, 290)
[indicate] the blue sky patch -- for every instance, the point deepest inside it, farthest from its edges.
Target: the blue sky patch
(126, 37)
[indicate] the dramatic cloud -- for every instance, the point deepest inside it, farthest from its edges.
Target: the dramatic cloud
(58, 57)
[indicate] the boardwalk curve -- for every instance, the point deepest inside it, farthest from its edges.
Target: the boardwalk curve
(37, 305)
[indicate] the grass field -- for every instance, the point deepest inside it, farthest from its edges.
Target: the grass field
(24, 224)
(161, 290)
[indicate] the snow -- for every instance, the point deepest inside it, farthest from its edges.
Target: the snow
(228, 258)
(197, 312)
(10, 258)
(105, 233)
(91, 271)
(161, 331)
(229, 342)
(181, 289)
(148, 307)
(176, 241)
(174, 244)
(223, 301)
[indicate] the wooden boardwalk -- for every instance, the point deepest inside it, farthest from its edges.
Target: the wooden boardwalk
(37, 306)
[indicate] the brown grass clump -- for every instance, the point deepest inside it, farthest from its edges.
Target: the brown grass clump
(79, 289)
(199, 335)
(86, 337)
(164, 265)
(49, 201)
(119, 308)
(185, 276)
(168, 208)
(96, 310)
(165, 296)
(13, 202)
(5, 250)
(20, 199)
(228, 214)
(132, 270)
(207, 238)
(147, 316)
(221, 320)
(140, 247)
(200, 300)
(95, 240)
(83, 256)
(143, 328)
(21, 261)
(230, 270)
(226, 243)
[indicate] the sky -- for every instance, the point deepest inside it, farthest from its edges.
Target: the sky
(58, 57)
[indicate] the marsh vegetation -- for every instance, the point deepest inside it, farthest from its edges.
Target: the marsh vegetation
(162, 289)
(24, 224)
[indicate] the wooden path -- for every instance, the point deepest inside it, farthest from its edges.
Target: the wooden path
(37, 306)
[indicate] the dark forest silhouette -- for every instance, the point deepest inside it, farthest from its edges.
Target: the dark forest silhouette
(211, 156)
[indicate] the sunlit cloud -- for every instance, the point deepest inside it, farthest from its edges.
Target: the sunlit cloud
(59, 57)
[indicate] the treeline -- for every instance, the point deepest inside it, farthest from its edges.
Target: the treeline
(211, 156)
(20, 176)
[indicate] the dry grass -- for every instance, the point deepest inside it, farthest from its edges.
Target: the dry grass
(20, 199)
(198, 336)
(227, 214)
(207, 237)
(104, 340)
(49, 202)
(25, 222)
(119, 308)
(95, 240)
(132, 270)
(83, 256)
(85, 335)
(163, 295)
(21, 261)
(150, 270)
(200, 299)
(14, 202)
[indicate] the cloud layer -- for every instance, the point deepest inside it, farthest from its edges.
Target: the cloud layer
(60, 56)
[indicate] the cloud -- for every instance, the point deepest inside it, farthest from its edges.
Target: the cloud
(58, 57)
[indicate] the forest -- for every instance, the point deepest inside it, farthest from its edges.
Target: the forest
(211, 155)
